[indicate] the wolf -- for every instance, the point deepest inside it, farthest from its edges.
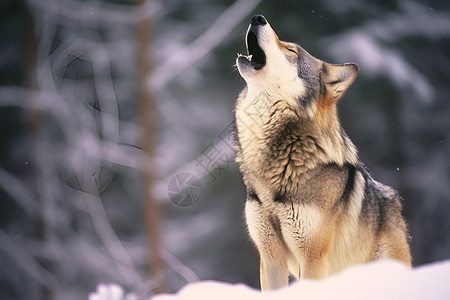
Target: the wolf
(312, 207)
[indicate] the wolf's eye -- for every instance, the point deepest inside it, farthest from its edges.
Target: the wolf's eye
(292, 50)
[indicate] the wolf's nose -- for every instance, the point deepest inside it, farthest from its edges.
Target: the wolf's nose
(258, 20)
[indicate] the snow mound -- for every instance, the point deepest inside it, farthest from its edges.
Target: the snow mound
(110, 292)
(382, 280)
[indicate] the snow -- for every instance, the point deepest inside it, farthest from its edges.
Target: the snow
(381, 280)
(110, 292)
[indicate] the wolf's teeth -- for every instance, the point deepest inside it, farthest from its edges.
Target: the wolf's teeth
(249, 57)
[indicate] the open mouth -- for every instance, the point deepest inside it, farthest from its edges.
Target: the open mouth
(256, 55)
(258, 58)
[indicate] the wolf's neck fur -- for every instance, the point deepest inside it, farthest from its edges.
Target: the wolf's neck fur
(281, 148)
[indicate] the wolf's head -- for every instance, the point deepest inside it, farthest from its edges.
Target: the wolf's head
(286, 71)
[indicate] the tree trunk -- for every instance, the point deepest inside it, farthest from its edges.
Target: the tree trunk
(152, 209)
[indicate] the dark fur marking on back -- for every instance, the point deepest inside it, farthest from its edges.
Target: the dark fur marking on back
(381, 209)
(350, 184)
(370, 210)
(344, 199)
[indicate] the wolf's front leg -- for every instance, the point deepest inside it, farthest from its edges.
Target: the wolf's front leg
(266, 233)
(316, 268)
(273, 273)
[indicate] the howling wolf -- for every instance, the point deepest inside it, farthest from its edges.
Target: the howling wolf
(312, 207)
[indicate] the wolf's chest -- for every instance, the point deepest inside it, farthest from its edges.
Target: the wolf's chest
(251, 136)
(280, 160)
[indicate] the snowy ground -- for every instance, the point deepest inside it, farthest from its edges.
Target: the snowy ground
(382, 280)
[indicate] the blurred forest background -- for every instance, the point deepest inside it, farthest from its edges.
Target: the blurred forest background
(93, 91)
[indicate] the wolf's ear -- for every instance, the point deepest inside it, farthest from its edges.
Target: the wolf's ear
(337, 79)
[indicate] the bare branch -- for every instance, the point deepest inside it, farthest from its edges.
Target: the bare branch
(190, 54)
(18, 191)
(26, 261)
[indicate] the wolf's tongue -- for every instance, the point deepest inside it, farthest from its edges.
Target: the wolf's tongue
(258, 57)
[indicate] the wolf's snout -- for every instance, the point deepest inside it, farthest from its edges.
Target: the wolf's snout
(258, 20)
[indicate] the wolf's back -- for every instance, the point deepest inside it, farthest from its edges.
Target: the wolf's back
(381, 212)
